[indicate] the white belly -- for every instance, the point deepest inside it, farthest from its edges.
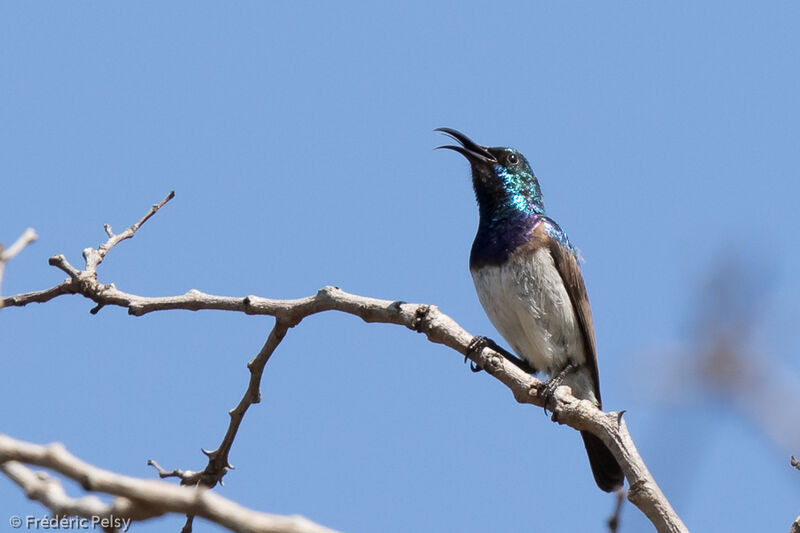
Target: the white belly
(526, 301)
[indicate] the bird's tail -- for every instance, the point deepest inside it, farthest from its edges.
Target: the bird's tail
(606, 470)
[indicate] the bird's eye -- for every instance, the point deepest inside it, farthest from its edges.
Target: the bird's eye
(512, 159)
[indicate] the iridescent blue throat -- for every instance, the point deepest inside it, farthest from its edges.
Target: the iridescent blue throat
(510, 205)
(519, 191)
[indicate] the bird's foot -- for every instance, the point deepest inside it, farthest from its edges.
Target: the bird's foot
(549, 387)
(477, 344)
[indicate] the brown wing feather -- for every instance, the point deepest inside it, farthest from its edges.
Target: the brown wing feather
(605, 469)
(570, 270)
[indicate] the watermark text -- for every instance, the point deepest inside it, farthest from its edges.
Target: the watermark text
(69, 522)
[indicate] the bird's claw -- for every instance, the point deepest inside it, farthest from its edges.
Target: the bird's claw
(479, 342)
(476, 345)
(549, 387)
(472, 366)
(548, 392)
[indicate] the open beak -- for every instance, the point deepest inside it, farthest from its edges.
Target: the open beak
(469, 149)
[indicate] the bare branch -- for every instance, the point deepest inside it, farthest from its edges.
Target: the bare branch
(80, 281)
(218, 464)
(7, 254)
(441, 329)
(137, 499)
(47, 490)
(177, 472)
(27, 237)
(95, 257)
(65, 287)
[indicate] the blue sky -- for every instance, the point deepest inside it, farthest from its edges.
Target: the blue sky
(298, 139)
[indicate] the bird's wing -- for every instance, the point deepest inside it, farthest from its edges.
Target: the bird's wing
(567, 265)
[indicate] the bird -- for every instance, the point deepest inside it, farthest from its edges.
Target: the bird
(528, 279)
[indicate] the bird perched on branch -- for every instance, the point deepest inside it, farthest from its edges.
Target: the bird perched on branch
(529, 282)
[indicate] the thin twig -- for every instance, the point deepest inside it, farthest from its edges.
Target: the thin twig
(218, 458)
(95, 257)
(7, 254)
(165, 474)
(27, 237)
(218, 463)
